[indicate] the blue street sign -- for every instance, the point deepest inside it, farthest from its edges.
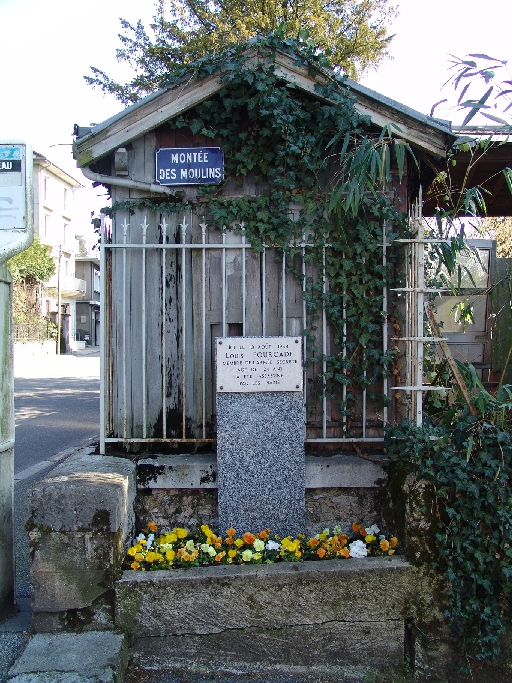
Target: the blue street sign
(189, 166)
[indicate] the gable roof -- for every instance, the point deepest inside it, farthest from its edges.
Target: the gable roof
(432, 135)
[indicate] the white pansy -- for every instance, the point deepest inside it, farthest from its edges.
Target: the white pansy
(165, 547)
(372, 530)
(140, 538)
(337, 530)
(189, 545)
(272, 545)
(205, 547)
(358, 549)
(258, 544)
(247, 555)
(151, 538)
(211, 551)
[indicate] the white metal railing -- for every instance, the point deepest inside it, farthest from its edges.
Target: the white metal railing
(191, 258)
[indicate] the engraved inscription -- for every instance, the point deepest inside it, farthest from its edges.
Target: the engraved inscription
(246, 364)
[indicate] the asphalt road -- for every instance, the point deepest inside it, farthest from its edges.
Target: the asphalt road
(56, 403)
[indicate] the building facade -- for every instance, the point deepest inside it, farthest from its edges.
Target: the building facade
(55, 225)
(87, 324)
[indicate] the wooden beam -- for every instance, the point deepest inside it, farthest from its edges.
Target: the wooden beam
(450, 359)
(149, 115)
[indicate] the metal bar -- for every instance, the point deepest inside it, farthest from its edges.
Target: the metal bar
(179, 246)
(103, 339)
(125, 227)
(304, 321)
(144, 388)
(385, 383)
(113, 440)
(424, 290)
(324, 349)
(264, 291)
(420, 307)
(164, 335)
(423, 241)
(348, 439)
(423, 339)
(313, 440)
(203, 302)
(424, 387)
(242, 227)
(344, 354)
(183, 331)
(283, 278)
(224, 281)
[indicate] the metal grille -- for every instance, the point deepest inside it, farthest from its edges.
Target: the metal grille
(171, 286)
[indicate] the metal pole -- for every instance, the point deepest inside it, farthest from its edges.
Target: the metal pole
(59, 302)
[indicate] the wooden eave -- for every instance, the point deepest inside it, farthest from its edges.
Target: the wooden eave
(156, 109)
(483, 169)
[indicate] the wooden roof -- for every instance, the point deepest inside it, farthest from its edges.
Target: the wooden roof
(485, 169)
(426, 133)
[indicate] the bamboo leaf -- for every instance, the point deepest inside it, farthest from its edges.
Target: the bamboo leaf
(464, 90)
(495, 118)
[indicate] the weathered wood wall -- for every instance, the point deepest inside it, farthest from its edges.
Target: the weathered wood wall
(154, 360)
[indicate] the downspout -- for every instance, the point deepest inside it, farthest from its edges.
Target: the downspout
(132, 184)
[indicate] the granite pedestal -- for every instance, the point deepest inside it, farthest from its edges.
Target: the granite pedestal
(261, 461)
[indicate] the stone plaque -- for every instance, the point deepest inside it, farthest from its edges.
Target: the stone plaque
(251, 364)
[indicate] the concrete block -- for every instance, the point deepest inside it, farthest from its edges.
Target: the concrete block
(260, 461)
(216, 599)
(340, 649)
(200, 472)
(343, 471)
(95, 657)
(178, 472)
(85, 492)
(69, 571)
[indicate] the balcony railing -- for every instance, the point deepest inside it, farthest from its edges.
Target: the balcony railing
(68, 284)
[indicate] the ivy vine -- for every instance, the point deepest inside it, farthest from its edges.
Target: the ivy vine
(305, 150)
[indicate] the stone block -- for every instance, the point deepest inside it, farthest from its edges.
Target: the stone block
(216, 599)
(85, 492)
(69, 571)
(199, 471)
(79, 519)
(94, 657)
(260, 461)
(178, 472)
(339, 649)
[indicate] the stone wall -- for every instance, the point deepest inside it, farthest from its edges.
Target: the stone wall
(181, 490)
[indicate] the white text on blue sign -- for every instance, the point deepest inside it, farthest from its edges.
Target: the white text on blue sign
(189, 165)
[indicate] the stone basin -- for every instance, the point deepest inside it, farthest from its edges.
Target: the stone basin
(346, 615)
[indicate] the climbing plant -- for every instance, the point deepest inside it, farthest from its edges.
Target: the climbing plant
(317, 153)
(466, 460)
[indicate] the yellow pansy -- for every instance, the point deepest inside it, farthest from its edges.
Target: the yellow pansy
(238, 542)
(231, 553)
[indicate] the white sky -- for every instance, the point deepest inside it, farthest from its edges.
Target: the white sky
(47, 46)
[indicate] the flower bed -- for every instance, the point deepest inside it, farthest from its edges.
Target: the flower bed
(177, 548)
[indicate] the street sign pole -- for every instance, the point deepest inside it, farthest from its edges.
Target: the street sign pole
(16, 234)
